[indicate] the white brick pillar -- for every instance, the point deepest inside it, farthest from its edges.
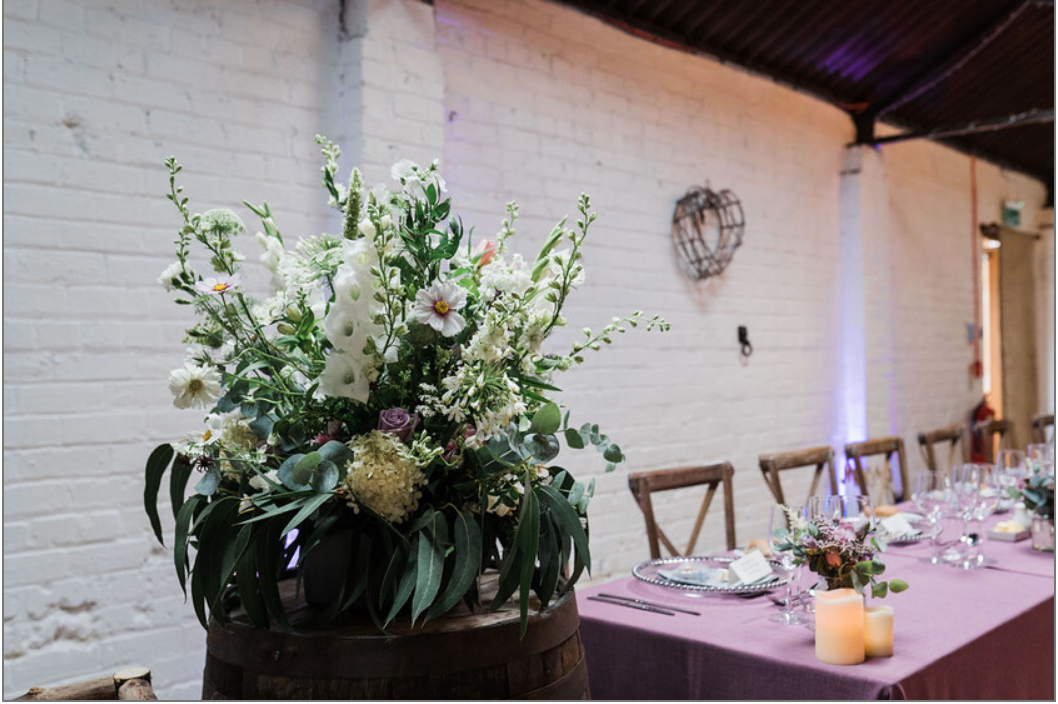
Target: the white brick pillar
(391, 91)
(867, 353)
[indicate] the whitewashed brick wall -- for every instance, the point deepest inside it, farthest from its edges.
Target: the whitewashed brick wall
(96, 96)
(522, 100)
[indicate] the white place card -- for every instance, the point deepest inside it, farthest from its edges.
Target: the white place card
(897, 526)
(751, 568)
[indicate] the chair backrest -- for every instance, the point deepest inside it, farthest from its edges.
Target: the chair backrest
(645, 484)
(1040, 424)
(989, 431)
(954, 435)
(887, 447)
(820, 457)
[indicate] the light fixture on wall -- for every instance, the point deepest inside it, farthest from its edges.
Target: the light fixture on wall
(706, 230)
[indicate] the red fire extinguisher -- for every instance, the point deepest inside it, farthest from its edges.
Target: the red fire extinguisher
(981, 412)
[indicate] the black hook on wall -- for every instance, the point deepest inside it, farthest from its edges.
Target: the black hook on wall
(743, 341)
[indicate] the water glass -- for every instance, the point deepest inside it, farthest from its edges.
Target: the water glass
(1040, 454)
(777, 525)
(932, 495)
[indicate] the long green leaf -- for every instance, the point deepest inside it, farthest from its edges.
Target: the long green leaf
(231, 558)
(528, 536)
(247, 582)
(157, 463)
(405, 586)
(311, 505)
(183, 529)
(567, 520)
(467, 540)
(178, 477)
(550, 559)
(431, 551)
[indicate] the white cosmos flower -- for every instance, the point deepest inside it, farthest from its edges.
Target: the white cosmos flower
(436, 306)
(194, 386)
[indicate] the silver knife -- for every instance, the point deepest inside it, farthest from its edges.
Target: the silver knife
(651, 603)
(631, 605)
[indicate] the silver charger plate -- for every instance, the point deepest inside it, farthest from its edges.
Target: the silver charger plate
(648, 572)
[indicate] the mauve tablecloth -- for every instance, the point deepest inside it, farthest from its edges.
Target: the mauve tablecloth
(982, 634)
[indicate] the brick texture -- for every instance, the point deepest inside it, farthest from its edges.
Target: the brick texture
(522, 100)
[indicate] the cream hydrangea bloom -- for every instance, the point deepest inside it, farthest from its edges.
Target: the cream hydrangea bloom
(382, 477)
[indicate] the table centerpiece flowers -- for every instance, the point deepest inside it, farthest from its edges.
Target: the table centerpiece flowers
(1038, 497)
(392, 385)
(843, 553)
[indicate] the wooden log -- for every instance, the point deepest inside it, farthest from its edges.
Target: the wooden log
(134, 684)
(93, 690)
(462, 655)
(135, 680)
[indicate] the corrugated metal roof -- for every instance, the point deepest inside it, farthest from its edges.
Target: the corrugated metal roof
(918, 64)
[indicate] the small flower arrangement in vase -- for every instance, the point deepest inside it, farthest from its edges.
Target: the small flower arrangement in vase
(393, 386)
(844, 554)
(1038, 496)
(840, 552)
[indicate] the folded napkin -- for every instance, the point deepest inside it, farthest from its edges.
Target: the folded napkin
(702, 576)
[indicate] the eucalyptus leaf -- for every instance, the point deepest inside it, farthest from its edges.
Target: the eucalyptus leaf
(301, 473)
(430, 566)
(325, 477)
(547, 420)
(574, 439)
(544, 448)
(286, 473)
(467, 540)
(207, 485)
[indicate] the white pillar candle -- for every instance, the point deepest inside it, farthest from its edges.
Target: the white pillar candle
(878, 631)
(839, 627)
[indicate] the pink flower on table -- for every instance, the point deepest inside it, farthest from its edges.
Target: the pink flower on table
(212, 286)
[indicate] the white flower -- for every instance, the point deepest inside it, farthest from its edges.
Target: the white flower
(436, 306)
(344, 376)
(367, 229)
(258, 481)
(171, 272)
(403, 170)
(194, 386)
(273, 251)
(382, 477)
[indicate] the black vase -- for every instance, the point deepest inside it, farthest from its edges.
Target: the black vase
(325, 567)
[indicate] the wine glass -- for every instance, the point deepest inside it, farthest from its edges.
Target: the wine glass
(1012, 470)
(966, 485)
(778, 526)
(1039, 454)
(932, 495)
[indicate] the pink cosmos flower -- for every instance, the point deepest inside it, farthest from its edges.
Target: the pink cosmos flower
(212, 286)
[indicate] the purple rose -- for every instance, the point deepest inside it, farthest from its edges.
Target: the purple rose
(399, 422)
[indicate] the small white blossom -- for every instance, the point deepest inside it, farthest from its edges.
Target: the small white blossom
(171, 272)
(194, 386)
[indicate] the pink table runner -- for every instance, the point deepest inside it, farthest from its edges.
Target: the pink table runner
(983, 634)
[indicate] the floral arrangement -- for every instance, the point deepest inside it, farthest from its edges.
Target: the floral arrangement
(393, 385)
(840, 552)
(1038, 494)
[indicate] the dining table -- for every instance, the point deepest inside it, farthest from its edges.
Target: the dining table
(984, 633)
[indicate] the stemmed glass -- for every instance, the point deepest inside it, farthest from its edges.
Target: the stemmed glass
(1040, 454)
(1012, 469)
(778, 523)
(966, 485)
(932, 495)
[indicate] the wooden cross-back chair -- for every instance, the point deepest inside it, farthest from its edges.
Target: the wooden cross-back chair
(1040, 424)
(645, 484)
(887, 447)
(954, 435)
(820, 457)
(993, 432)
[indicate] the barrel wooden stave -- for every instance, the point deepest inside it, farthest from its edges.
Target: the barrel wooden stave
(461, 656)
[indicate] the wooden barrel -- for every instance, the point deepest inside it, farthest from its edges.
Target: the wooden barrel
(459, 656)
